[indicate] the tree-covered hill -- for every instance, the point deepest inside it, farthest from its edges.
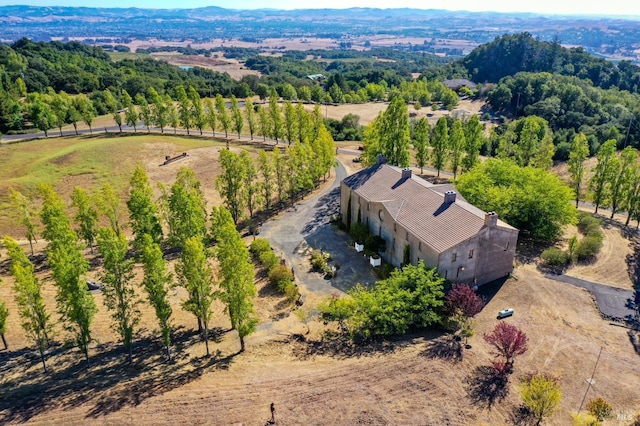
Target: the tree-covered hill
(510, 54)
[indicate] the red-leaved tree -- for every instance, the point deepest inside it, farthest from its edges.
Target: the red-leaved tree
(508, 342)
(462, 298)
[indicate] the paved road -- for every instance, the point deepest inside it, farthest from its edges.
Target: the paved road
(613, 302)
(297, 231)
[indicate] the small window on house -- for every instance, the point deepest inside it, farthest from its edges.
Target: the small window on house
(395, 228)
(471, 254)
(507, 247)
(445, 274)
(419, 245)
(454, 256)
(367, 206)
(407, 237)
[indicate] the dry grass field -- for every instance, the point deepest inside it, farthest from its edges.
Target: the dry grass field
(422, 379)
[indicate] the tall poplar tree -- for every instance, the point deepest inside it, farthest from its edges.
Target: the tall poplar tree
(26, 215)
(223, 115)
(603, 172)
(210, 114)
(230, 183)
(157, 282)
(395, 137)
(250, 116)
(251, 187)
(457, 143)
(440, 144)
(159, 109)
(131, 116)
(117, 286)
(36, 321)
(474, 139)
(275, 117)
(197, 112)
(267, 171)
(184, 108)
(143, 211)
(622, 178)
(236, 270)
(145, 111)
(113, 107)
(86, 217)
(196, 276)
(187, 213)
(421, 143)
(264, 123)
(236, 116)
(85, 107)
(289, 121)
(75, 304)
(578, 154)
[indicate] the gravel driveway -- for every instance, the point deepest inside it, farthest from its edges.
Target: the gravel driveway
(305, 227)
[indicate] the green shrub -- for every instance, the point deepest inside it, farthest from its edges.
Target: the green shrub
(588, 248)
(289, 289)
(259, 246)
(555, 257)
(359, 232)
(280, 273)
(588, 224)
(269, 260)
(384, 271)
(375, 244)
(318, 260)
(600, 408)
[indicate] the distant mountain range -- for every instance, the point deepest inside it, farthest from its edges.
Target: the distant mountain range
(605, 35)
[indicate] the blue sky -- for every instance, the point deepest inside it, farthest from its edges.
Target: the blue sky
(598, 7)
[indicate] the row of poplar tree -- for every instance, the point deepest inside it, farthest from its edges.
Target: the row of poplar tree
(188, 111)
(452, 142)
(184, 206)
(245, 184)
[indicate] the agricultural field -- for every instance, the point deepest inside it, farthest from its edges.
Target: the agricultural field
(416, 379)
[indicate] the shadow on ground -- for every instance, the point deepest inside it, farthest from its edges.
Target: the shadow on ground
(485, 386)
(447, 347)
(339, 346)
(111, 384)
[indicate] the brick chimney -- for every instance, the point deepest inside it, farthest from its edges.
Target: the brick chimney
(450, 197)
(490, 219)
(406, 173)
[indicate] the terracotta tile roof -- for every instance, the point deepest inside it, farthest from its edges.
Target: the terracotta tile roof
(419, 207)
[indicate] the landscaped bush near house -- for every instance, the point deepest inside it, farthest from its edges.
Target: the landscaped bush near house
(359, 232)
(318, 261)
(375, 244)
(555, 257)
(588, 248)
(259, 246)
(588, 225)
(269, 260)
(280, 273)
(411, 297)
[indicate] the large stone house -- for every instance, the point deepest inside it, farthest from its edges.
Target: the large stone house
(464, 243)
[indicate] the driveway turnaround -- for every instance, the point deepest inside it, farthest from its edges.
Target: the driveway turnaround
(305, 227)
(614, 303)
